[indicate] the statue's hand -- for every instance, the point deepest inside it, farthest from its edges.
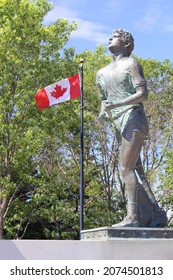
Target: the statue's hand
(109, 105)
(105, 113)
(103, 109)
(101, 115)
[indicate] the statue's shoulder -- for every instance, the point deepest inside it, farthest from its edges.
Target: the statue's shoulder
(103, 70)
(132, 65)
(132, 62)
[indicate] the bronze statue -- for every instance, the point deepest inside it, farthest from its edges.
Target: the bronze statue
(122, 88)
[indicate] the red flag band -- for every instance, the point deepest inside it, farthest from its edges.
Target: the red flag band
(59, 92)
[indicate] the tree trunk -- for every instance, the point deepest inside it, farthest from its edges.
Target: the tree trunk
(3, 204)
(1, 223)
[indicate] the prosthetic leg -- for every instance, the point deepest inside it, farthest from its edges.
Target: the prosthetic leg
(158, 216)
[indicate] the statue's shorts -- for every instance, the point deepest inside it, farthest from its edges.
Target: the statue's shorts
(135, 121)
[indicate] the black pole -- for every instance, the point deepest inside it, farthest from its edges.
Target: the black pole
(81, 152)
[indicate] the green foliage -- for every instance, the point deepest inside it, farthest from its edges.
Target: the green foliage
(30, 56)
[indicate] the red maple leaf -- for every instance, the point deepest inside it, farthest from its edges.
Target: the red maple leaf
(58, 91)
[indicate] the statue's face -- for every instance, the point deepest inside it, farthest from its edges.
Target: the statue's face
(115, 43)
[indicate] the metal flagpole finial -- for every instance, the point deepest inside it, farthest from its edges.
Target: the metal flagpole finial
(81, 61)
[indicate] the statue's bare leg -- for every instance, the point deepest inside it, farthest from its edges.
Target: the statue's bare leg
(130, 151)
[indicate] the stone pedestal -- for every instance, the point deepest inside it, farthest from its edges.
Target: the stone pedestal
(114, 249)
(96, 244)
(110, 233)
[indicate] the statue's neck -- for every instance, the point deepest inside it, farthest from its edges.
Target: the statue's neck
(117, 57)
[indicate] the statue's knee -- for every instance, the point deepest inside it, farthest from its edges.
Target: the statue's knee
(127, 171)
(124, 171)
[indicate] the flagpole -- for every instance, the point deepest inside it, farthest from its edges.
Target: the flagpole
(81, 151)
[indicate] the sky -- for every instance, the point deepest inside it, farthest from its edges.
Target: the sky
(150, 22)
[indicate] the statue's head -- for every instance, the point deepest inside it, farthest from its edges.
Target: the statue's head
(126, 39)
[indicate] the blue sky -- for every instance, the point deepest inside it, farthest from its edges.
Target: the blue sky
(149, 21)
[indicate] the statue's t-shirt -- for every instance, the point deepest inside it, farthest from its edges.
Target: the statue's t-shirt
(118, 81)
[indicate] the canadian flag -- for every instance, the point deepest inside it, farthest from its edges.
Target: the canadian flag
(59, 92)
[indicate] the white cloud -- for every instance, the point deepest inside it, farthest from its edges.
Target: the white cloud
(150, 20)
(156, 18)
(115, 5)
(60, 11)
(167, 24)
(89, 30)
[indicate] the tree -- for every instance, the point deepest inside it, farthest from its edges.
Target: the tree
(30, 56)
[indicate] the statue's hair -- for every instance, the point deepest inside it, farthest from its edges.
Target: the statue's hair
(127, 38)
